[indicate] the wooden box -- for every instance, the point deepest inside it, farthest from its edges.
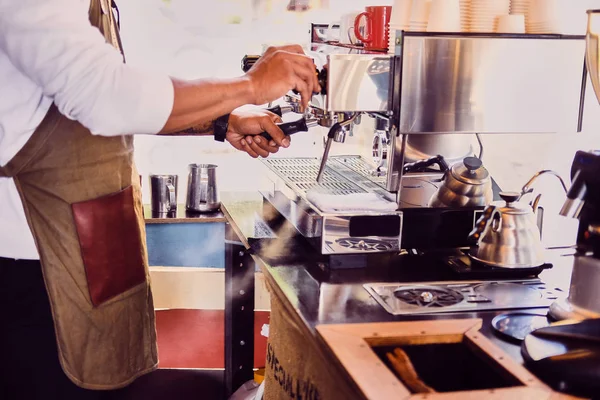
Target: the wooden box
(358, 348)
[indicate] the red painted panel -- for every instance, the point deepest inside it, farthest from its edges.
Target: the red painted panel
(195, 338)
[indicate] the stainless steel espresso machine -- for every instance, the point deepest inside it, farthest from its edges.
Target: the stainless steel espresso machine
(426, 104)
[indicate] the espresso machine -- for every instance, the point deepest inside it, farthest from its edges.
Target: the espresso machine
(428, 103)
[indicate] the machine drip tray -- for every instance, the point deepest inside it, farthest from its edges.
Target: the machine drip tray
(465, 267)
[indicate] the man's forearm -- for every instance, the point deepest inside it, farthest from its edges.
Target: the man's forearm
(198, 103)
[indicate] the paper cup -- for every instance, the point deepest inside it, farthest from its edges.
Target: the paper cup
(511, 24)
(444, 16)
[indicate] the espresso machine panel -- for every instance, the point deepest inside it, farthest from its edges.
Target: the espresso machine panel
(358, 82)
(477, 83)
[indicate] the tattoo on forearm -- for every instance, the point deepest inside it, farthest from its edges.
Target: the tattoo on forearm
(201, 129)
(205, 128)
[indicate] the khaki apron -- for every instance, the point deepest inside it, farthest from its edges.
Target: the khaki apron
(82, 199)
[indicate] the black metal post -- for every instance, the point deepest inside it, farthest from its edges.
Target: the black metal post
(239, 313)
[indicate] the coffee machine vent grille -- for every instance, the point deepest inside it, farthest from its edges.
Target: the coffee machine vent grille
(301, 173)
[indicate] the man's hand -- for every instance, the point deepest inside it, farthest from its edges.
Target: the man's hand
(281, 69)
(245, 128)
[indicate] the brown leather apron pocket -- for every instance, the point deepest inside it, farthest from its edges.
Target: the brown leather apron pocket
(111, 246)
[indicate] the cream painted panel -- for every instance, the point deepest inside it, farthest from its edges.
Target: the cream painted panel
(197, 288)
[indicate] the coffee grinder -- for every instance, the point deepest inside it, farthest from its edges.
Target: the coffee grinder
(583, 202)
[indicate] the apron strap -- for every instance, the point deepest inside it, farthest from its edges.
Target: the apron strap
(101, 16)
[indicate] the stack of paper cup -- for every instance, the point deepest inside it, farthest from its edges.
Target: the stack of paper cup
(543, 17)
(399, 21)
(419, 15)
(483, 14)
(519, 6)
(514, 23)
(464, 15)
(444, 16)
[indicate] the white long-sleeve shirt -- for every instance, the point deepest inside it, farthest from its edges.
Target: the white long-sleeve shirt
(49, 52)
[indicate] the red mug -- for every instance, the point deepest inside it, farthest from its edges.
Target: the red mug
(377, 27)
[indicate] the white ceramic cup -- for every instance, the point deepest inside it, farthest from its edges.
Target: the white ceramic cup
(444, 16)
(511, 24)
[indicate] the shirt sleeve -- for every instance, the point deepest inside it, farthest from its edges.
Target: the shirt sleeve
(53, 43)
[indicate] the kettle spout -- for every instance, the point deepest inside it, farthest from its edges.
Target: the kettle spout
(528, 187)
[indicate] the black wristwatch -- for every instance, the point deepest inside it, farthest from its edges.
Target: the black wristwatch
(220, 127)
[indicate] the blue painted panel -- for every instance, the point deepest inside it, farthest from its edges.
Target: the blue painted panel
(186, 245)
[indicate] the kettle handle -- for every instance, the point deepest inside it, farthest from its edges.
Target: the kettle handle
(171, 197)
(419, 166)
(482, 223)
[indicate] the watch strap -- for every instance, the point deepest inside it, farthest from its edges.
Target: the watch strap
(221, 125)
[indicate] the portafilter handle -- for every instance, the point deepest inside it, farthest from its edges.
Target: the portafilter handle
(289, 128)
(279, 110)
(276, 110)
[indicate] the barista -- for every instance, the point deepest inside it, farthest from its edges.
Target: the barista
(77, 314)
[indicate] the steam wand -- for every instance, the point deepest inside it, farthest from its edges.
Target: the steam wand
(335, 132)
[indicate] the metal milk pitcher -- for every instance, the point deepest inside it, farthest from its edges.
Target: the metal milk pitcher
(202, 193)
(163, 190)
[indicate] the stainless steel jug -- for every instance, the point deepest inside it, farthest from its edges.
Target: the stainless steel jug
(508, 235)
(163, 190)
(202, 193)
(466, 184)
